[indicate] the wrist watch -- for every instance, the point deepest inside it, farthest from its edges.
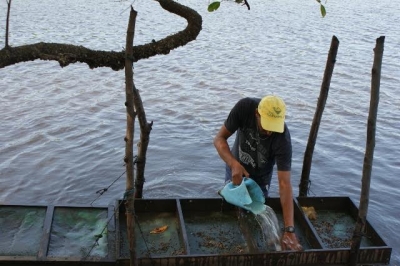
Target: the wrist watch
(289, 229)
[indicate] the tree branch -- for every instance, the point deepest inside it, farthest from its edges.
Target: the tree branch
(66, 54)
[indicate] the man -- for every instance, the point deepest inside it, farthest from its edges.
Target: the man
(262, 139)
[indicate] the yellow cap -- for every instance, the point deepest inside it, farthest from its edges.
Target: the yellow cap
(272, 110)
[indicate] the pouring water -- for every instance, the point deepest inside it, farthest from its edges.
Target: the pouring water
(270, 229)
(260, 230)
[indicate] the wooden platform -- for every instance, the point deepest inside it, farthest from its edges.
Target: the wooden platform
(200, 232)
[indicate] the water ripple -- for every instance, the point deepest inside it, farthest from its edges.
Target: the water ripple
(62, 129)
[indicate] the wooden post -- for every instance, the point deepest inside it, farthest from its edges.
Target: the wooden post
(369, 152)
(305, 175)
(8, 21)
(130, 119)
(145, 129)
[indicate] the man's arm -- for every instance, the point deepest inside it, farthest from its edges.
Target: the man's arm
(221, 144)
(289, 240)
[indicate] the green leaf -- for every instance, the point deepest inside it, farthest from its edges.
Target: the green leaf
(323, 11)
(213, 6)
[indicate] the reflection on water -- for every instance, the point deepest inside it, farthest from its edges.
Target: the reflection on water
(62, 129)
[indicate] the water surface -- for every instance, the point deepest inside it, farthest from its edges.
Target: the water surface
(62, 129)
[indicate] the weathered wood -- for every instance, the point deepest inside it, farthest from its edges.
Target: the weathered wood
(298, 258)
(66, 54)
(145, 129)
(181, 211)
(369, 152)
(45, 240)
(312, 138)
(130, 126)
(8, 21)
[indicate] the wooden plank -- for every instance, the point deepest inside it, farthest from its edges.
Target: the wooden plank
(182, 227)
(117, 229)
(308, 229)
(303, 258)
(44, 242)
(111, 233)
(205, 204)
(154, 205)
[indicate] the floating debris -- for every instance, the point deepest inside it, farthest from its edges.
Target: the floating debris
(159, 230)
(310, 212)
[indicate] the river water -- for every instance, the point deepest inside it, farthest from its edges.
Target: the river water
(62, 129)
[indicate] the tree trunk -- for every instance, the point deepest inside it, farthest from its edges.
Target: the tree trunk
(312, 138)
(369, 152)
(130, 119)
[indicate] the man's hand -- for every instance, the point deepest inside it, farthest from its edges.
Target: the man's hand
(238, 172)
(221, 144)
(289, 242)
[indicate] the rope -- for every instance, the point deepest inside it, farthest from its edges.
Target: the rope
(309, 188)
(127, 7)
(98, 236)
(144, 239)
(126, 194)
(103, 190)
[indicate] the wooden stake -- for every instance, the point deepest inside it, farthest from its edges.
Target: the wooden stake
(145, 129)
(130, 119)
(8, 21)
(369, 152)
(330, 64)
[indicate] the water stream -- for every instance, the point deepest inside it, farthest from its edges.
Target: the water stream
(271, 232)
(261, 231)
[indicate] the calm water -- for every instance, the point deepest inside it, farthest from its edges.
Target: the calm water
(62, 129)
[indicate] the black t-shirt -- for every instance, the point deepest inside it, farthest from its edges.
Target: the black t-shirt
(256, 152)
